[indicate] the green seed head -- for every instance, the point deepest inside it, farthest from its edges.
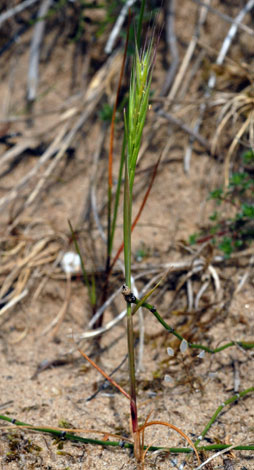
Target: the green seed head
(138, 105)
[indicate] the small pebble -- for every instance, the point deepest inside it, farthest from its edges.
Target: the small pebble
(170, 352)
(71, 263)
(201, 354)
(169, 379)
(183, 346)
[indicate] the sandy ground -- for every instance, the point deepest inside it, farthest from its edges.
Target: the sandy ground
(44, 379)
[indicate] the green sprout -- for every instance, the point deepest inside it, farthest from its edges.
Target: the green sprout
(236, 232)
(134, 120)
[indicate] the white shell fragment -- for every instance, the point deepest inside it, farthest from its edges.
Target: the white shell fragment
(201, 354)
(183, 346)
(71, 263)
(170, 352)
(169, 379)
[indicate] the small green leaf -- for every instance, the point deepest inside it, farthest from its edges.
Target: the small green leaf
(214, 216)
(248, 157)
(193, 238)
(238, 244)
(214, 230)
(226, 246)
(105, 113)
(238, 179)
(248, 210)
(216, 194)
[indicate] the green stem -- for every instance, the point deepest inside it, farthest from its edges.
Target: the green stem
(152, 309)
(219, 409)
(127, 209)
(117, 197)
(120, 443)
(127, 263)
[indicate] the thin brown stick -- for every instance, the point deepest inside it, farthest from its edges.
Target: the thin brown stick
(172, 426)
(195, 135)
(106, 376)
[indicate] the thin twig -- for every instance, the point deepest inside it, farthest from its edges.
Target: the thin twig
(189, 53)
(10, 155)
(103, 329)
(183, 70)
(91, 99)
(57, 321)
(94, 333)
(102, 386)
(246, 275)
(93, 180)
(194, 134)
(215, 456)
(30, 175)
(237, 379)
(200, 293)
(236, 21)
(33, 69)
(14, 301)
(109, 379)
(117, 27)
(17, 9)
(101, 310)
(229, 38)
(172, 44)
(96, 215)
(6, 404)
(189, 295)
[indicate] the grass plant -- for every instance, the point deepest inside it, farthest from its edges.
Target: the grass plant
(134, 120)
(141, 106)
(240, 185)
(134, 124)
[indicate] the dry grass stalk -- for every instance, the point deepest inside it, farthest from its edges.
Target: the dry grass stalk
(212, 79)
(33, 70)
(24, 264)
(17, 9)
(189, 53)
(240, 107)
(58, 320)
(62, 141)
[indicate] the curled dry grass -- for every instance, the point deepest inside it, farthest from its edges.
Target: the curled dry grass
(237, 109)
